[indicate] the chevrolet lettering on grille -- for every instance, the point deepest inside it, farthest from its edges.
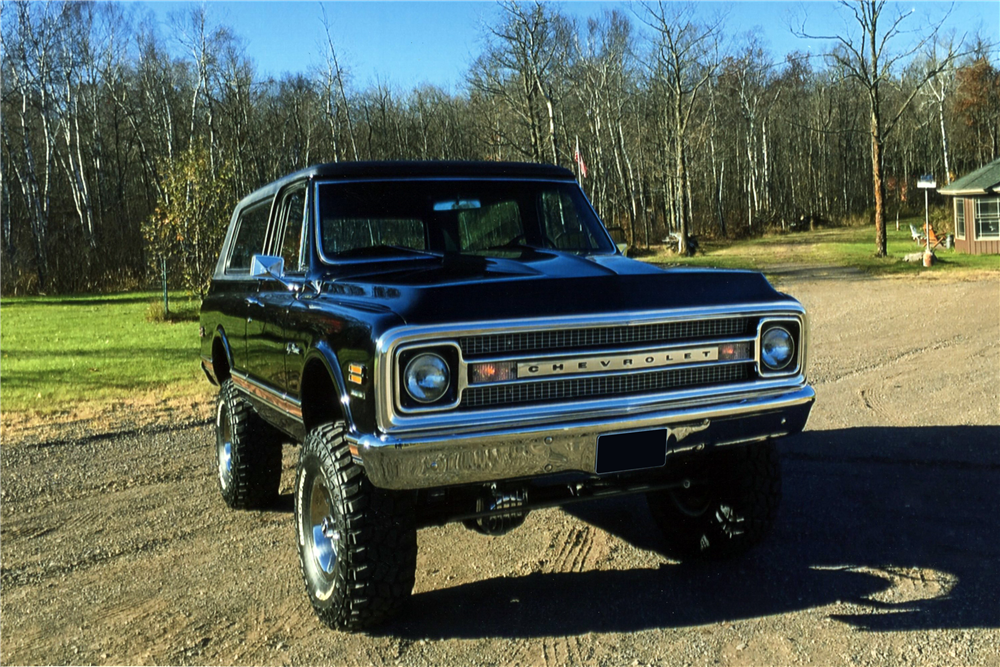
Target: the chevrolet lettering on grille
(618, 362)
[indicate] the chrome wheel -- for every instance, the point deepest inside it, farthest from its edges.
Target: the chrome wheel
(224, 446)
(247, 452)
(325, 537)
(357, 544)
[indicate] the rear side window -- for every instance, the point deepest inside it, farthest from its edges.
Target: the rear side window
(249, 240)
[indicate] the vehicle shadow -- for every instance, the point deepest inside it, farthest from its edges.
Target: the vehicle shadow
(893, 528)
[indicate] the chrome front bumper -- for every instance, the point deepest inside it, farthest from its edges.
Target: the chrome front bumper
(434, 460)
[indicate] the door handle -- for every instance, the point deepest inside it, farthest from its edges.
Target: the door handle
(253, 301)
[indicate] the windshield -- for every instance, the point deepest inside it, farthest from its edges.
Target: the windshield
(475, 217)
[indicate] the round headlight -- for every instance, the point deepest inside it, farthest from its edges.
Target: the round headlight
(777, 348)
(426, 378)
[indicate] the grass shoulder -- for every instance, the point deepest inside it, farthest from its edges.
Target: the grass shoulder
(66, 357)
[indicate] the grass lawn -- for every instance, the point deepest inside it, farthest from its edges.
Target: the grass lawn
(845, 246)
(59, 354)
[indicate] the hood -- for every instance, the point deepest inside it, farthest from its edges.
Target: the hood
(466, 288)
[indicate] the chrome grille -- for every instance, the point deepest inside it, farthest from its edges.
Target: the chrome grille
(601, 337)
(580, 388)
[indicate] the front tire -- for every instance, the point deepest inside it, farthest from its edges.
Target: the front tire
(730, 508)
(247, 452)
(357, 543)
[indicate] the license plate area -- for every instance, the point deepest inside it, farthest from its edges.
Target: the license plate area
(636, 450)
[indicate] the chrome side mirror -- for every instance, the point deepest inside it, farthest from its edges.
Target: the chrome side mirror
(267, 266)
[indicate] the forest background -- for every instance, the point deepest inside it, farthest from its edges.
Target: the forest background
(119, 155)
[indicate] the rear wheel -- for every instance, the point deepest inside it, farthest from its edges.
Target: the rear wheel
(247, 452)
(357, 543)
(729, 508)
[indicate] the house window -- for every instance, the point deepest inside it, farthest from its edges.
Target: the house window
(959, 218)
(988, 218)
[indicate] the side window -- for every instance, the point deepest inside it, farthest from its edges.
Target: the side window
(293, 209)
(249, 240)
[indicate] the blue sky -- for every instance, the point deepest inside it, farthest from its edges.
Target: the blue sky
(409, 43)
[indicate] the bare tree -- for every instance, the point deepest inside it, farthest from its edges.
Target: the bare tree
(602, 75)
(30, 46)
(868, 57)
(940, 87)
(529, 45)
(334, 94)
(683, 60)
(98, 118)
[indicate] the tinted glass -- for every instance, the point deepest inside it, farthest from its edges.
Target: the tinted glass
(249, 239)
(341, 235)
(489, 226)
(291, 245)
(481, 217)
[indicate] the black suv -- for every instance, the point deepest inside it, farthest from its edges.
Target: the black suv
(464, 342)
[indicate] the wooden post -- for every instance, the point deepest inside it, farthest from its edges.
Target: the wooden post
(166, 302)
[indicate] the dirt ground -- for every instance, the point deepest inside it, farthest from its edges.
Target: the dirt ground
(115, 548)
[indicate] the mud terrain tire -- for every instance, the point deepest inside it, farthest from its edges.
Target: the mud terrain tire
(247, 452)
(357, 543)
(730, 512)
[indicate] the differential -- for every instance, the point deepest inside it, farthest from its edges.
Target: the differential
(496, 501)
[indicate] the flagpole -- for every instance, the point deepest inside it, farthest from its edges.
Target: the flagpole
(581, 166)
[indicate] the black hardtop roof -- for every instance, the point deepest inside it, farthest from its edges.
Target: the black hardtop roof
(415, 169)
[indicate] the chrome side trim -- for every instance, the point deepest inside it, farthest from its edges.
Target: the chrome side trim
(389, 419)
(281, 402)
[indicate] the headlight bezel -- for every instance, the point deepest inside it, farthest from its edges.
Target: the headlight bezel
(791, 327)
(448, 354)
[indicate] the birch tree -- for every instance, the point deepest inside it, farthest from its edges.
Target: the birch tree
(870, 53)
(683, 59)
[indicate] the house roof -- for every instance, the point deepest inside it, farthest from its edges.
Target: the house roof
(983, 181)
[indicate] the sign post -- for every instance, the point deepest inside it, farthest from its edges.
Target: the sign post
(926, 183)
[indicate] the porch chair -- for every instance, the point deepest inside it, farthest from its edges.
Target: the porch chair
(935, 241)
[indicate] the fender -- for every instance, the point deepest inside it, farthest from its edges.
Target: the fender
(208, 363)
(325, 354)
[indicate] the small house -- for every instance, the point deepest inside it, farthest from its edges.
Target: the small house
(977, 210)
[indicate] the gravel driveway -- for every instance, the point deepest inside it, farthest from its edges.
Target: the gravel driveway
(116, 548)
